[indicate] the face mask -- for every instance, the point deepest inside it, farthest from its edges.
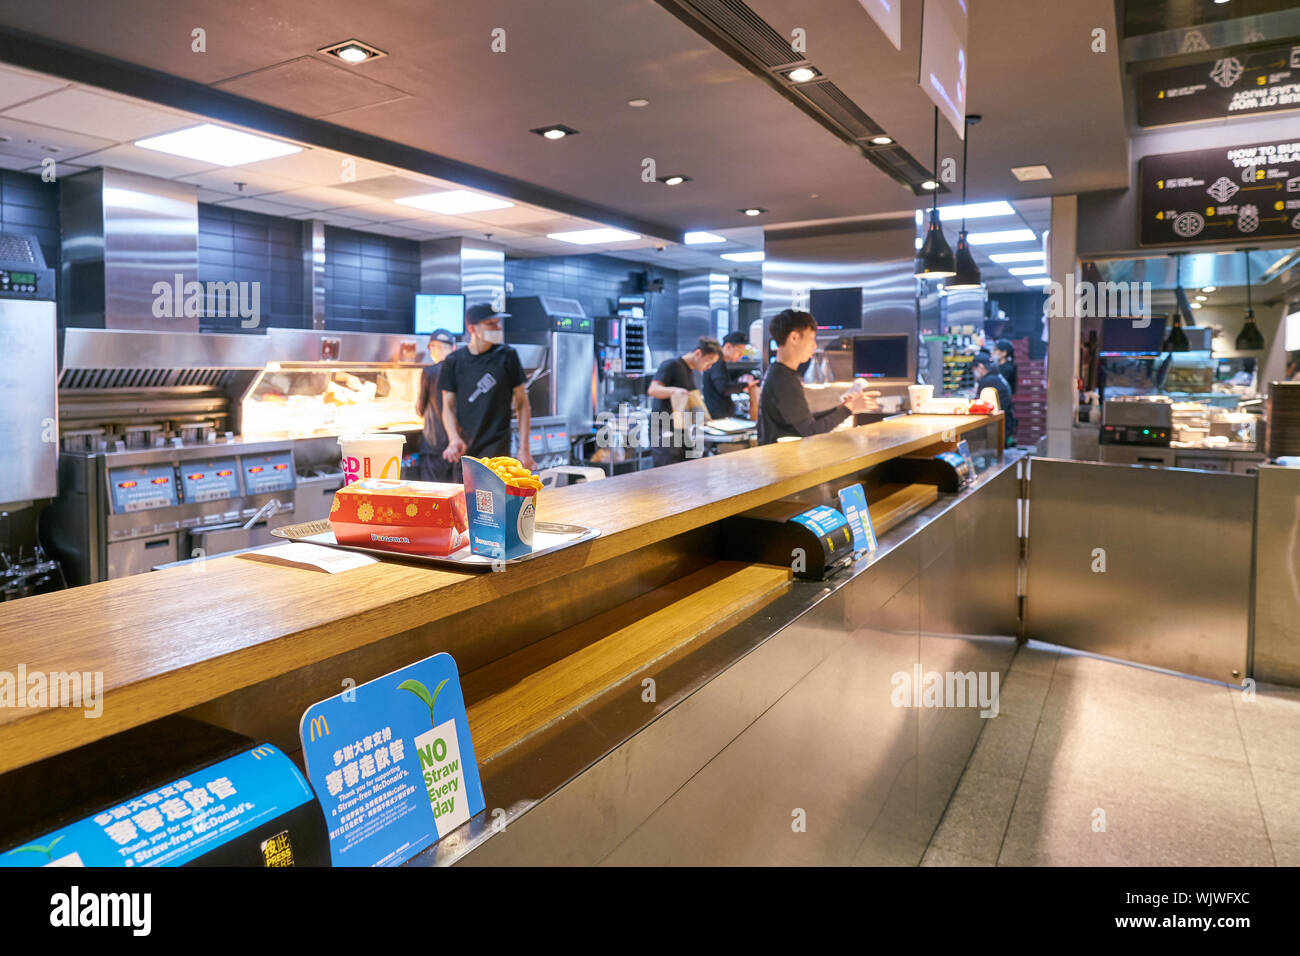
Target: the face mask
(494, 336)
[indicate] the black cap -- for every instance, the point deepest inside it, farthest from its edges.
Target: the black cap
(735, 338)
(442, 335)
(1004, 345)
(982, 358)
(482, 312)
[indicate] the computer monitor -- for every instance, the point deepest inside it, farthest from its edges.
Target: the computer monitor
(1132, 336)
(883, 358)
(437, 310)
(836, 309)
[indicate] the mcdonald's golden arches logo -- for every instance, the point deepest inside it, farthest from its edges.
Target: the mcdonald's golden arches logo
(319, 725)
(262, 751)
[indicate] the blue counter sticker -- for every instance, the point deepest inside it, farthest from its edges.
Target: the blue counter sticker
(177, 823)
(822, 520)
(393, 763)
(854, 502)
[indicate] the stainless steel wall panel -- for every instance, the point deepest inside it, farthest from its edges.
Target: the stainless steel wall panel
(1177, 547)
(1276, 651)
(28, 403)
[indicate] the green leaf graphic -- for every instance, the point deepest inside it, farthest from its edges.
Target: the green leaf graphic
(422, 692)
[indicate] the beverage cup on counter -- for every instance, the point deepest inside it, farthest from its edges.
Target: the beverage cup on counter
(371, 455)
(918, 397)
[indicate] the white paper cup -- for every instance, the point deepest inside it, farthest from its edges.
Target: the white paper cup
(371, 455)
(918, 397)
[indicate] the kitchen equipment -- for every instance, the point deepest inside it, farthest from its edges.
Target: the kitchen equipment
(1147, 422)
(1282, 437)
(563, 330)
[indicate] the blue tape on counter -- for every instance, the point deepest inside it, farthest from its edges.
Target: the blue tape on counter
(822, 520)
(393, 763)
(179, 822)
(853, 501)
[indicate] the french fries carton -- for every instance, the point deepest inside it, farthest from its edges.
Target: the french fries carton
(411, 517)
(501, 498)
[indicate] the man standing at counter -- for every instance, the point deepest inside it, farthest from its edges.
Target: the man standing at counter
(428, 405)
(1005, 356)
(718, 389)
(988, 376)
(479, 385)
(782, 406)
(673, 383)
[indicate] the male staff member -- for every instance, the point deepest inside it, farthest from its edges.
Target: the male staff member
(428, 405)
(717, 380)
(987, 376)
(1004, 354)
(676, 377)
(782, 406)
(479, 384)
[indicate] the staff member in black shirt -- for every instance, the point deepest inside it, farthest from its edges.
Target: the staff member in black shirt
(677, 377)
(987, 376)
(428, 405)
(782, 405)
(717, 380)
(479, 384)
(1004, 354)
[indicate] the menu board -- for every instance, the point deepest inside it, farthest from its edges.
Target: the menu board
(1261, 81)
(1220, 195)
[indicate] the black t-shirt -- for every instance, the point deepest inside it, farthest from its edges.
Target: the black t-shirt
(783, 408)
(1008, 371)
(429, 405)
(674, 373)
(483, 385)
(717, 391)
(999, 384)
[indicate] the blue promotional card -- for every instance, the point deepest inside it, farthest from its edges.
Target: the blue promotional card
(179, 822)
(393, 764)
(822, 520)
(853, 501)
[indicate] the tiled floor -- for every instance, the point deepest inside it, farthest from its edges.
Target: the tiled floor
(1093, 762)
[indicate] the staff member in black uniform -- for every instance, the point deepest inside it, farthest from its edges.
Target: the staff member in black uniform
(718, 389)
(1005, 355)
(988, 376)
(479, 385)
(782, 405)
(677, 377)
(428, 405)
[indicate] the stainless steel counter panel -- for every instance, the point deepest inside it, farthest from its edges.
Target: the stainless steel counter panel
(789, 711)
(1176, 589)
(1277, 576)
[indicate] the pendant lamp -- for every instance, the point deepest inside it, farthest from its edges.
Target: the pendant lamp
(935, 259)
(1176, 340)
(968, 273)
(1250, 338)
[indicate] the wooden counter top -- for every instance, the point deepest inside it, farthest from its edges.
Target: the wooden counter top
(170, 640)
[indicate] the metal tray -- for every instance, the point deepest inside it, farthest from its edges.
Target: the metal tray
(548, 536)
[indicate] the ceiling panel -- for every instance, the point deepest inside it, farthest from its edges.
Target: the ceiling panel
(20, 138)
(319, 167)
(150, 162)
(98, 114)
(225, 179)
(17, 86)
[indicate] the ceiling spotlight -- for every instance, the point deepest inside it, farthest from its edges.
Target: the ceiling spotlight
(1209, 288)
(802, 74)
(674, 180)
(1196, 305)
(1202, 298)
(554, 132)
(930, 184)
(881, 140)
(353, 51)
(753, 211)
(638, 102)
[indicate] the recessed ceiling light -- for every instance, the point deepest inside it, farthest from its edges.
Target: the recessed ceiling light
(1041, 280)
(587, 237)
(743, 256)
(1196, 305)
(1202, 298)
(219, 145)
(1027, 173)
(353, 51)
(638, 102)
(1028, 270)
(1001, 236)
(882, 140)
(454, 202)
(753, 211)
(554, 132)
(1017, 256)
(802, 74)
(674, 180)
(1209, 288)
(929, 184)
(701, 238)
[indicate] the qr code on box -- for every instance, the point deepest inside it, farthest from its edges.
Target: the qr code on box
(483, 502)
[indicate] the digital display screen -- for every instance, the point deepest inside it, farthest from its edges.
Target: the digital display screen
(22, 278)
(836, 309)
(943, 59)
(263, 473)
(435, 311)
(1142, 335)
(210, 480)
(142, 488)
(878, 357)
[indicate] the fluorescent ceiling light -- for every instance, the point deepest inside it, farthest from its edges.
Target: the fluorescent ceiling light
(996, 238)
(976, 210)
(1016, 256)
(1028, 270)
(218, 145)
(743, 256)
(1041, 280)
(1030, 173)
(588, 237)
(454, 202)
(701, 238)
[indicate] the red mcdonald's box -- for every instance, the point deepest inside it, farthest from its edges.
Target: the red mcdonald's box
(413, 517)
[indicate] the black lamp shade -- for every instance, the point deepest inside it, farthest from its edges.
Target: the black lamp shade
(967, 272)
(1176, 340)
(935, 259)
(1250, 338)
